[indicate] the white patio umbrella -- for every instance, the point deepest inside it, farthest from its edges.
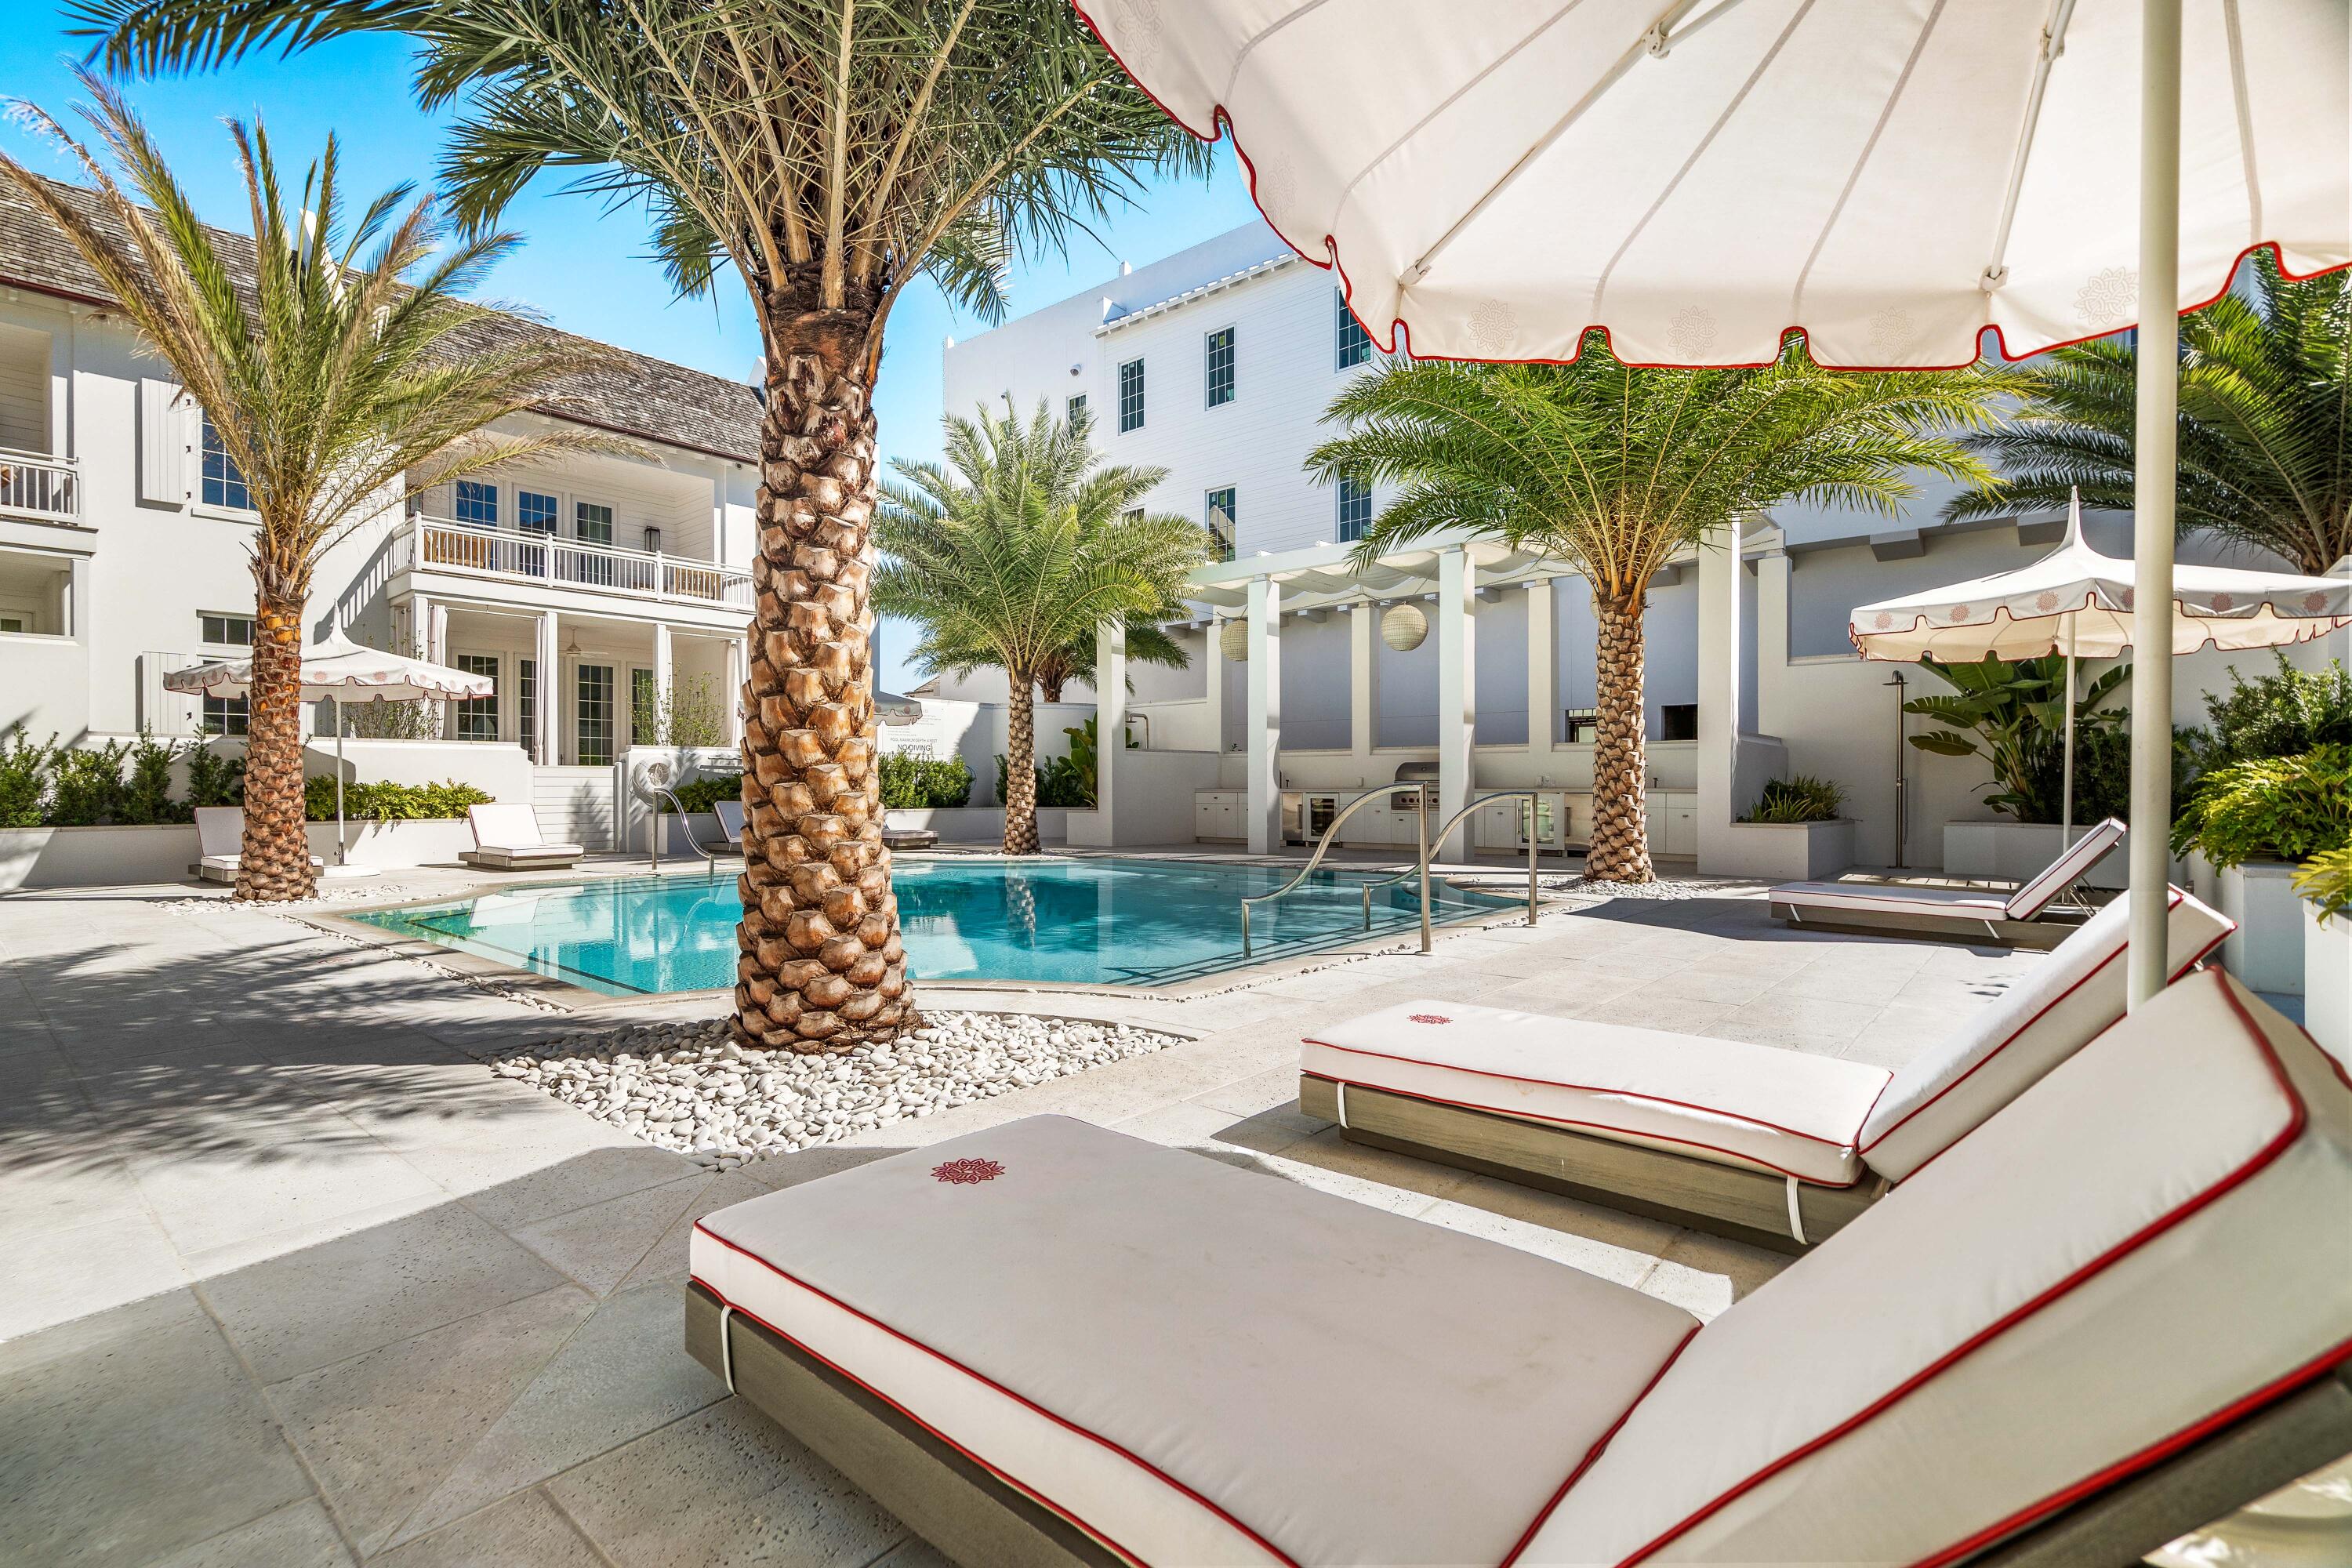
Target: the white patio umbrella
(896, 710)
(2081, 603)
(336, 669)
(1894, 178)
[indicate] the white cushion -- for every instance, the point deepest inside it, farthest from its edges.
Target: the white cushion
(2148, 1244)
(510, 825)
(2055, 1009)
(2068, 868)
(1199, 1365)
(729, 813)
(220, 832)
(1788, 1113)
(1907, 900)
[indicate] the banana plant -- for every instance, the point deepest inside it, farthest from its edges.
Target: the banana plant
(2013, 715)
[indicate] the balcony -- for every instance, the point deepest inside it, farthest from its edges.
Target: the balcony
(46, 488)
(523, 557)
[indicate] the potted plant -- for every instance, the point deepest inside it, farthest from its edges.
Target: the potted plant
(2256, 821)
(1794, 832)
(2326, 884)
(2282, 713)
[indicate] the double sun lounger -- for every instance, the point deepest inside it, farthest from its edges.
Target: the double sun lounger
(2019, 917)
(2108, 1299)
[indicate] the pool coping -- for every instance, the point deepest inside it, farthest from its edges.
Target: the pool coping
(585, 1003)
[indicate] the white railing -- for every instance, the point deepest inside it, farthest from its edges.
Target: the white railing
(527, 557)
(32, 485)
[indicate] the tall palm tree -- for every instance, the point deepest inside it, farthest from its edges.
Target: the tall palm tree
(1613, 468)
(1146, 644)
(1015, 547)
(830, 151)
(2265, 423)
(335, 380)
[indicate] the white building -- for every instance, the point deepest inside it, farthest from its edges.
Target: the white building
(1217, 365)
(583, 585)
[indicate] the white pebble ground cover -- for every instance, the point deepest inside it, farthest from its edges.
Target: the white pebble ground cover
(690, 1087)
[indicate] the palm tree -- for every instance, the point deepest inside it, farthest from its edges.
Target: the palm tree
(1015, 548)
(1613, 468)
(334, 381)
(1147, 642)
(830, 151)
(2265, 423)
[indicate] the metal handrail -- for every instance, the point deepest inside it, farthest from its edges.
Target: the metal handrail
(1323, 846)
(653, 833)
(1535, 848)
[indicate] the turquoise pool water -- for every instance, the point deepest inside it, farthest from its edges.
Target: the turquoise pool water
(1116, 922)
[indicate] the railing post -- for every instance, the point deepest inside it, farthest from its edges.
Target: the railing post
(1420, 832)
(1532, 850)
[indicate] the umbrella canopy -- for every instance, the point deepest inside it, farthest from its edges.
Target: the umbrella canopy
(2076, 600)
(339, 670)
(1892, 176)
(894, 710)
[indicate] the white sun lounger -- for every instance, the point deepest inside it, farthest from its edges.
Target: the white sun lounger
(2120, 1308)
(220, 840)
(507, 838)
(1946, 912)
(1775, 1147)
(729, 813)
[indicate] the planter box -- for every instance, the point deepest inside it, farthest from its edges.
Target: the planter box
(2327, 982)
(1785, 851)
(2265, 953)
(132, 857)
(2021, 852)
(429, 841)
(979, 826)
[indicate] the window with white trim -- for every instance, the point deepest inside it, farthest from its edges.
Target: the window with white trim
(1355, 508)
(1072, 410)
(1217, 516)
(478, 503)
(1355, 344)
(534, 512)
(478, 717)
(1131, 396)
(226, 631)
(1219, 371)
(223, 486)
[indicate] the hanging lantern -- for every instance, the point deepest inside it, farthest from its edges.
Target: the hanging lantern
(1405, 627)
(1233, 640)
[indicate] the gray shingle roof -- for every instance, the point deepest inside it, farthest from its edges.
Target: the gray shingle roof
(643, 396)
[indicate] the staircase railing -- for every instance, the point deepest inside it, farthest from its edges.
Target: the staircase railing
(1330, 834)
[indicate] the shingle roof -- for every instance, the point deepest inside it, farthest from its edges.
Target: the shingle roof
(642, 396)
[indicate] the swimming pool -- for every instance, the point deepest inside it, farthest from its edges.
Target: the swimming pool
(1116, 922)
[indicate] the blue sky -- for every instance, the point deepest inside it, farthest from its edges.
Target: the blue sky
(583, 268)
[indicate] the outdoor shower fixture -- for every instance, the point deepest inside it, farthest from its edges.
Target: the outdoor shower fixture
(1901, 775)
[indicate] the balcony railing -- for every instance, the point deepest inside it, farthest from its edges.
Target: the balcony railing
(34, 486)
(529, 557)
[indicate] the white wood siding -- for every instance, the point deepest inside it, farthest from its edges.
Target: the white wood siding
(24, 389)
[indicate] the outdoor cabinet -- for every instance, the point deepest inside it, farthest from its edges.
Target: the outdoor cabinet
(1672, 818)
(1217, 814)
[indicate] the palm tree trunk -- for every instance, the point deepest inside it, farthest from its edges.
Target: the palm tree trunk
(1020, 768)
(822, 968)
(274, 860)
(1620, 839)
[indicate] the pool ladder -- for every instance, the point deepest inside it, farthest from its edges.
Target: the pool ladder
(1420, 866)
(660, 793)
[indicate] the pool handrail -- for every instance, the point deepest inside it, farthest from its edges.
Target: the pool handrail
(686, 825)
(1535, 847)
(1330, 834)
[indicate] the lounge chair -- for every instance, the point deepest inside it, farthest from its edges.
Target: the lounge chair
(2116, 1311)
(729, 813)
(1775, 1147)
(1949, 911)
(220, 839)
(507, 838)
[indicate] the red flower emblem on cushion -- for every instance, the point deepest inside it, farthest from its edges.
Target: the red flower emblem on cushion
(1430, 1018)
(967, 1173)
(2223, 601)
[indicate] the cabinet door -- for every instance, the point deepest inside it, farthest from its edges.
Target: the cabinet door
(1204, 818)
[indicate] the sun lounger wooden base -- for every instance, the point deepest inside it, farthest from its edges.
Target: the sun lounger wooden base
(520, 860)
(955, 1504)
(1726, 1200)
(910, 838)
(2038, 936)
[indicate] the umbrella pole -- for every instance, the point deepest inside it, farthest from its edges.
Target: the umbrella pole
(2156, 458)
(341, 849)
(2066, 814)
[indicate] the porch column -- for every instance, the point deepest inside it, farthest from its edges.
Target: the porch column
(735, 691)
(661, 677)
(1110, 722)
(1363, 690)
(1718, 701)
(1265, 804)
(1543, 674)
(1212, 659)
(1457, 687)
(546, 652)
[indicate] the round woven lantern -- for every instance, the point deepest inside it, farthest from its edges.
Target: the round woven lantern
(1405, 627)
(1233, 640)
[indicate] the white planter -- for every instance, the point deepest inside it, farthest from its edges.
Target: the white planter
(979, 826)
(428, 841)
(1785, 851)
(2021, 852)
(2265, 953)
(2327, 982)
(130, 856)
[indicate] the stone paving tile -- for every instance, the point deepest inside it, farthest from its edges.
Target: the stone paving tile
(1796, 1023)
(1260, 1091)
(210, 1199)
(512, 1183)
(1694, 982)
(1640, 1010)
(299, 1535)
(1705, 1274)
(57, 1275)
(600, 1244)
(1270, 1131)
(382, 1430)
(130, 1436)
(526, 1531)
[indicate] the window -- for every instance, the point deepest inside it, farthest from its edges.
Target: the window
(12, 624)
(1077, 409)
(1131, 395)
(1221, 366)
(478, 717)
(645, 710)
(223, 486)
(225, 715)
(478, 502)
(534, 513)
(527, 706)
(1355, 344)
(1218, 517)
(592, 524)
(1355, 508)
(595, 714)
(227, 631)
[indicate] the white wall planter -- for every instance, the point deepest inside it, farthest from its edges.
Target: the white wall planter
(2327, 982)
(2020, 851)
(978, 827)
(427, 841)
(130, 856)
(1784, 851)
(2265, 953)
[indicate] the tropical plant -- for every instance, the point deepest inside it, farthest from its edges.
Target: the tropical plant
(2014, 717)
(1013, 546)
(830, 153)
(689, 713)
(383, 801)
(333, 378)
(701, 794)
(2265, 430)
(1614, 468)
(2270, 808)
(910, 783)
(1799, 798)
(2325, 880)
(1147, 642)
(2278, 714)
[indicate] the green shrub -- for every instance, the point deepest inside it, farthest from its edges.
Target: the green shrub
(214, 778)
(147, 793)
(2013, 716)
(701, 794)
(24, 777)
(2270, 808)
(87, 791)
(1059, 783)
(2326, 880)
(917, 784)
(382, 802)
(1802, 798)
(2282, 714)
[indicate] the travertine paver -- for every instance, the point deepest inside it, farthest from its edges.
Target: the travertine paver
(294, 1280)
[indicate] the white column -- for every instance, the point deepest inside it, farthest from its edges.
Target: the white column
(661, 667)
(545, 653)
(1265, 803)
(735, 690)
(1458, 692)
(1363, 688)
(1543, 674)
(1110, 722)
(1719, 702)
(1212, 659)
